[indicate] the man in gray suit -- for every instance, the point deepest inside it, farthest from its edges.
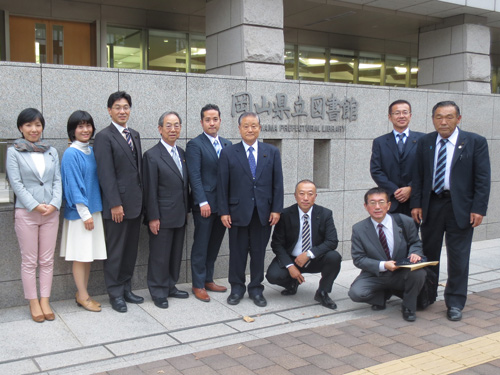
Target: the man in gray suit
(377, 242)
(166, 205)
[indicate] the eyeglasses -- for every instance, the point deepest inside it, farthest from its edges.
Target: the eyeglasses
(449, 117)
(379, 203)
(399, 113)
(119, 108)
(170, 126)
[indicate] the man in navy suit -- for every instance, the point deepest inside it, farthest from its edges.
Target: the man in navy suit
(451, 188)
(166, 205)
(118, 155)
(393, 158)
(250, 199)
(304, 241)
(202, 156)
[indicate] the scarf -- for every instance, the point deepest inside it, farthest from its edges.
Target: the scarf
(22, 145)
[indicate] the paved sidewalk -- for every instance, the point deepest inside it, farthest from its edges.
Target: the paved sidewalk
(291, 335)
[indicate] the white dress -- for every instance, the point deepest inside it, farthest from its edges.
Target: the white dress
(78, 243)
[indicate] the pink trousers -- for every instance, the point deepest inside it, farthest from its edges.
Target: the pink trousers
(37, 236)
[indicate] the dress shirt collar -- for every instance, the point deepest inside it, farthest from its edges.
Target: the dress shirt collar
(119, 127)
(255, 146)
(168, 147)
(213, 139)
(396, 133)
(452, 139)
(302, 213)
(387, 222)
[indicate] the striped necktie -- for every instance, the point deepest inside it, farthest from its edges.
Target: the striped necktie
(383, 240)
(440, 168)
(128, 137)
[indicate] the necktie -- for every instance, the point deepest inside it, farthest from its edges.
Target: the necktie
(401, 143)
(217, 147)
(128, 138)
(383, 241)
(176, 158)
(251, 161)
(306, 234)
(440, 168)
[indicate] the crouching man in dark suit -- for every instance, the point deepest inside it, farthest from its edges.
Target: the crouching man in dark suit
(377, 242)
(166, 203)
(304, 241)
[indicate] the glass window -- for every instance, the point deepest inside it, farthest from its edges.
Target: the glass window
(413, 72)
(124, 48)
(40, 43)
(370, 65)
(290, 61)
(198, 53)
(396, 68)
(57, 44)
(341, 66)
(312, 63)
(167, 51)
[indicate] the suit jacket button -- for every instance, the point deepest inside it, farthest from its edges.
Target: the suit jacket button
(41, 183)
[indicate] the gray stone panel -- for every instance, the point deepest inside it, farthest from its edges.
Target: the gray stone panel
(337, 164)
(211, 60)
(152, 95)
(217, 90)
(267, 13)
(357, 156)
(494, 146)
(435, 43)
(259, 70)
(474, 118)
(83, 89)
(296, 160)
(478, 67)
(372, 112)
(256, 50)
(21, 87)
(425, 71)
(477, 87)
(229, 49)
(218, 16)
(449, 68)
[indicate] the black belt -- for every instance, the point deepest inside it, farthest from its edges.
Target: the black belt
(443, 194)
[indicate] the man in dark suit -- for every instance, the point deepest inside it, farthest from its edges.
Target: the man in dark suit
(119, 167)
(202, 157)
(393, 157)
(451, 188)
(377, 242)
(250, 199)
(304, 241)
(166, 205)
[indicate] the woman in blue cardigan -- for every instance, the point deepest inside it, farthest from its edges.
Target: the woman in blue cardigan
(82, 238)
(34, 175)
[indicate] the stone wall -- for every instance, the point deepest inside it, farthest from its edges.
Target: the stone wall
(337, 158)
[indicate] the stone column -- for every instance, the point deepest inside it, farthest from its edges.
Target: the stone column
(245, 38)
(455, 55)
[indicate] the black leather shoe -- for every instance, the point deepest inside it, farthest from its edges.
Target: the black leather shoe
(454, 314)
(259, 300)
(291, 290)
(233, 299)
(118, 304)
(408, 315)
(132, 298)
(162, 302)
(378, 307)
(322, 297)
(179, 294)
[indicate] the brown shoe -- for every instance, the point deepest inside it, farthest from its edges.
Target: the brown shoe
(89, 304)
(201, 294)
(213, 287)
(93, 300)
(39, 318)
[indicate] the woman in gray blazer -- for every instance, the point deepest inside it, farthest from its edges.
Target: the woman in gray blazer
(34, 175)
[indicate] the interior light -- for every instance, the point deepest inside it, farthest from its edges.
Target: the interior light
(165, 40)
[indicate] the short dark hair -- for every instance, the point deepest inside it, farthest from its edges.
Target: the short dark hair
(162, 117)
(399, 101)
(446, 103)
(248, 114)
(376, 190)
(303, 181)
(117, 96)
(208, 107)
(77, 118)
(28, 115)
